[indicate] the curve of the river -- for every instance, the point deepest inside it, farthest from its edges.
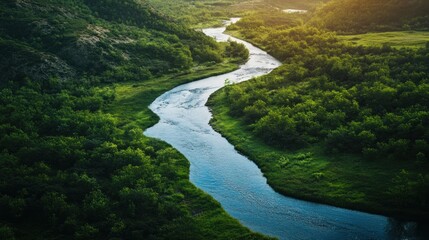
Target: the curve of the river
(237, 183)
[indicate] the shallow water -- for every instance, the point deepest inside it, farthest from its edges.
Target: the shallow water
(237, 183)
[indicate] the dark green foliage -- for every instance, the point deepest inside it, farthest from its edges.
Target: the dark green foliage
(68, 169)
(368, 103)
(125, 40)
(237, 51)
(71, 171)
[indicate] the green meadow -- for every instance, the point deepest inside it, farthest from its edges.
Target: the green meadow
(410, 39)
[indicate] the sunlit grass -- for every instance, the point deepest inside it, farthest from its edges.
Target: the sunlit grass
(412, 39)
(133, 98)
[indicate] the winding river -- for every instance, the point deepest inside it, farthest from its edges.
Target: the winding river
(237, 183)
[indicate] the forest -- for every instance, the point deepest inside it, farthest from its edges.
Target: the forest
(357, 100)
(334, 103)
(97, 39)
(339, 123)
(70, 166)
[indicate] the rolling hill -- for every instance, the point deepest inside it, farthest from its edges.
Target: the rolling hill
(357, 16)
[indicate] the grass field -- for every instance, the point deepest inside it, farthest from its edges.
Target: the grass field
(309, 174)
(412, 39)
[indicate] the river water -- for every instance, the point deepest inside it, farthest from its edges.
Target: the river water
(237, 183)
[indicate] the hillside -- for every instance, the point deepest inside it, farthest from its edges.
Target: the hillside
(108, 39)
(357, 16)
(73, 161)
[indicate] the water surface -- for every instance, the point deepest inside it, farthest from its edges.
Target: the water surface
(237, 183)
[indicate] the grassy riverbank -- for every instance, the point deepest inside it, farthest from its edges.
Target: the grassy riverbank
(340, 180)
(133, 98)
(77, 78)
(130, 107)
(317, 127)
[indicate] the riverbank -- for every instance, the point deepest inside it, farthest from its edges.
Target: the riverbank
(133, 98)
(381, 185)
(131, 109)
(235, 181)
(309, 174)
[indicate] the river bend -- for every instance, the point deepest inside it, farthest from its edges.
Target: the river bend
(237, 183)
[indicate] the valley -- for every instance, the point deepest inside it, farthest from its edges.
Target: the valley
(338, 118)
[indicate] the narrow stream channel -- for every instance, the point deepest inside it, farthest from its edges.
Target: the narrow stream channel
(237, 183)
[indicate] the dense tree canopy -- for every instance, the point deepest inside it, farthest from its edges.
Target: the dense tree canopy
(363, 100)
(68, 169)
(371, 103)
(110, 40)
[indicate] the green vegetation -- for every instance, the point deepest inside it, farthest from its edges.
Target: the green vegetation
(65, 38)
(409, 39)
(261, 21)
(205, 13)
(309, 173)
(246, 7)
(198, 14)
(336, 123)
(293, 4)
(77, 77)
(132, 99)
(73, 161)
(361, 16)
